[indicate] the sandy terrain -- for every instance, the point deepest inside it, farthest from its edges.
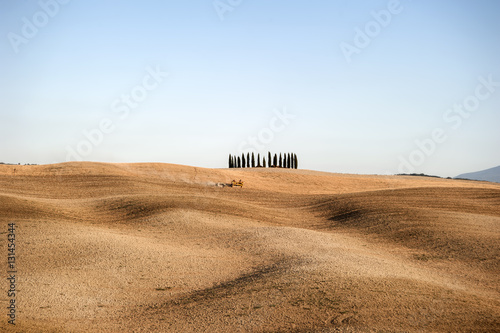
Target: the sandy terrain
(158, 247)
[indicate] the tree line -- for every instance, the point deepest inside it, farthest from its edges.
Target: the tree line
(286, 160)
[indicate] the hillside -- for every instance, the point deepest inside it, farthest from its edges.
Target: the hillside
(159, 247)
(490, 175)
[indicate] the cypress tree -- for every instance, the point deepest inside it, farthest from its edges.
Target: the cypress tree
(289, 162)
(264, 161)
(234, 162)
(269, 159)
(243, 162)
(248, 160)
(230, 161)
(296, 161)
(281, 161)
(239, 162)
(275, 160)
(253, 160)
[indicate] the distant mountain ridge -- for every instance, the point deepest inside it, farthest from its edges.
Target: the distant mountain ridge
(490, 175)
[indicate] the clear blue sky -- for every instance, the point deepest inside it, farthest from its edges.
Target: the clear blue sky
(233, 65)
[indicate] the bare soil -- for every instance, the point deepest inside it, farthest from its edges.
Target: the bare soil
(158, 247)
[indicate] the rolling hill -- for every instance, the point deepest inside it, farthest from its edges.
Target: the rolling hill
(159, 247)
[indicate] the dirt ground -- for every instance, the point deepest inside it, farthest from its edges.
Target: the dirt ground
(159, 247)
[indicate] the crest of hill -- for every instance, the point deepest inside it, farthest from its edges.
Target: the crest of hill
(263, 179)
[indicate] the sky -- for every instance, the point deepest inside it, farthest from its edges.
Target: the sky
(374, 87)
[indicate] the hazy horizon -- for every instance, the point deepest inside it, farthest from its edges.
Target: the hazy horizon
(349, 86)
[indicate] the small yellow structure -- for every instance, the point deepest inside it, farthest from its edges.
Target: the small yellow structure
(235, 183)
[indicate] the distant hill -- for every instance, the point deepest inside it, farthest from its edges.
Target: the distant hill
(491, 175)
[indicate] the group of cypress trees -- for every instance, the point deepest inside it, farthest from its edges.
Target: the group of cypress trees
(287, 160)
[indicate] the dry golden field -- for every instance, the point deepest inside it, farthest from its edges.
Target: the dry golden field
(158, 247)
